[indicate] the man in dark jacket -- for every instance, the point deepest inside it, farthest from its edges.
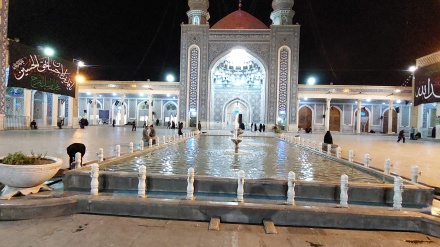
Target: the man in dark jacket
(72, 150)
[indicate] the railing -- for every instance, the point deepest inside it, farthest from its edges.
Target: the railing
(16, 122)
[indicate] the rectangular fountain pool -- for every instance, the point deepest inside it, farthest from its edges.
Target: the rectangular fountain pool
(260, 158)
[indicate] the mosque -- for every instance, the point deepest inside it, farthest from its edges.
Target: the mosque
(237, 65)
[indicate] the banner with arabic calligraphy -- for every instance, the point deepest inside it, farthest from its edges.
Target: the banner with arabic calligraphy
(427, 84)
(29, 69)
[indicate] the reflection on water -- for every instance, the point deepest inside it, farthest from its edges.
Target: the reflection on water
(258, 157)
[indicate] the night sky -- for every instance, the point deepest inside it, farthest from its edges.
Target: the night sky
(347, 42)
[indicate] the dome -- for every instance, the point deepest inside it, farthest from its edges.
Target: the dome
(239, 20)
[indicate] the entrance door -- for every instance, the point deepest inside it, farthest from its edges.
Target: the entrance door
(305, 117)
(385, 122)
(335, 119)
(365, 120)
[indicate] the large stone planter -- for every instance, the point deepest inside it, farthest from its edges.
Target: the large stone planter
(27, 178)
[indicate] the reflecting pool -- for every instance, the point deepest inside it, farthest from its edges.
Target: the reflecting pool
(258, 157)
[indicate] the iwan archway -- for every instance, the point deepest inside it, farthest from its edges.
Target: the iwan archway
(237, 86)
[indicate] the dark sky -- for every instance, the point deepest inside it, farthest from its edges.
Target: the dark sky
(351, 42)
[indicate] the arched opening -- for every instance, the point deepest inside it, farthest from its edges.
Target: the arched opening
(305, 117)
(335, 119)
(170, 114)
(142, 113)
(117, 113)
(365, 120)
(385, 121)
(38, 112)
(237, 106)
(237, 77)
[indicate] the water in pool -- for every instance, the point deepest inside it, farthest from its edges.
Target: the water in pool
(258, 157)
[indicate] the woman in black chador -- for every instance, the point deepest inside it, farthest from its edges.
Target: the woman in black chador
(328, 138)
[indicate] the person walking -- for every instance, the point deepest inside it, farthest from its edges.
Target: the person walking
(401, 136)
(199, 126)
(133, 125)
(252, 127)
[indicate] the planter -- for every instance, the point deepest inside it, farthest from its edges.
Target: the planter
(27, 178)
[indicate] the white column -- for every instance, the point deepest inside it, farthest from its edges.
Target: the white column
(297, 116)
(54, 109)
(122, 109)
(95, 108)
(437, 121)
(390, 118)
(27, 105)
(150, 109)
(73, 118)
(327, 115)
(358, 116)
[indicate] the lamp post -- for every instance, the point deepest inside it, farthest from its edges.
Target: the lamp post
(78, 79)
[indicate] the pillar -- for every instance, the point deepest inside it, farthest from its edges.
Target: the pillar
(327, 115)
(27, 105)
(358, 116)
(54, 109)
(72, 113)
(390, 118)
(95, 109)
(437, 121)
(4, 5)
(122, 122)
(297, 117)
(150, 109)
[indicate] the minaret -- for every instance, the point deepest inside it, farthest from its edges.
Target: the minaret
(282, 13)
(198, 12)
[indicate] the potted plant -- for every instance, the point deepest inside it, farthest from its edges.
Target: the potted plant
(26, 173)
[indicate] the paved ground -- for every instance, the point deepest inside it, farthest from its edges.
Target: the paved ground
(93, 230)
(422, 153)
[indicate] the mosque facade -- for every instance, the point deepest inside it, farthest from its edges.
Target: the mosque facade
(236, 66)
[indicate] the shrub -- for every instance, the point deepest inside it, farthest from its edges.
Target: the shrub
(18, 158)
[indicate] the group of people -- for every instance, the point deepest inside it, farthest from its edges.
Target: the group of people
(261, 127)
(149, 133)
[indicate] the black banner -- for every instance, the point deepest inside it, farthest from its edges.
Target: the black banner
(29, 69)
(427, 85)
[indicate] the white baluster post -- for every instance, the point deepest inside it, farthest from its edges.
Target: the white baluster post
(240, 188)
(367, 160)
(291, 188)
(100, 155)
(329, 149)
(150, 143)
(350, 155)
(142, 186)
(414, 173)
(387, 166)
(320, 147)
(190, 187)
(338, 152)
(398, 190)
(141, 145)
(131, 147)
(78, 160)
(344, 191)
(118, 150)
(164, 140)
(94, 174)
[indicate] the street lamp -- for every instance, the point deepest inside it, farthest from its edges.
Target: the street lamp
(412, 69)
(48, 51)
(311, 81)
(170, 78)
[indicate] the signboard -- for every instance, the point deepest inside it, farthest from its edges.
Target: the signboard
(104, 114)
(29, 69)
(427, 85)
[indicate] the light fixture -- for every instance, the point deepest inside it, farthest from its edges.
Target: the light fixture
(368, 100)
(311, 81)
(114, 94)
(48, 51)
(412, 69)
(80, 78)
(398, 101)
(170, 78)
